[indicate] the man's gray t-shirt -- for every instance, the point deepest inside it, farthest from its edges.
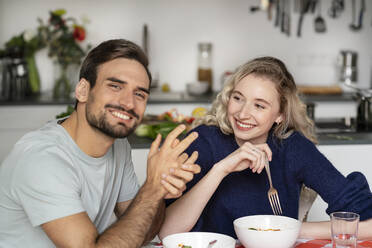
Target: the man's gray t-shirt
(47, 176)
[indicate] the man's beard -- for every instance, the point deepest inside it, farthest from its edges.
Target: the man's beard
(100, 123)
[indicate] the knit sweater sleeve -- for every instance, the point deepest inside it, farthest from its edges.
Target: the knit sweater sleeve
(350, 193)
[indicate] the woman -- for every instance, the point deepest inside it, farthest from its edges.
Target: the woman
(258, 116)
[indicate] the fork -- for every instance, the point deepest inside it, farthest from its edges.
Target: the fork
(273, 193)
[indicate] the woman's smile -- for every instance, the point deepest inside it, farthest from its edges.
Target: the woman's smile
(243, 125)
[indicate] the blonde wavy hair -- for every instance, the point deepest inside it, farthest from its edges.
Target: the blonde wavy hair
(291, 107)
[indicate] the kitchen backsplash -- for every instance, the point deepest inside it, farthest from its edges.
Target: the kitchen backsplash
(175, 27)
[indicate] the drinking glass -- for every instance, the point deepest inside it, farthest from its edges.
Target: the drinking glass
(344, 227)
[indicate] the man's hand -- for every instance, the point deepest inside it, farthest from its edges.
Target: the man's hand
(175, 182)
(168, 159)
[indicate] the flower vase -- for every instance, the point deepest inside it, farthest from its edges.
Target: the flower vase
(62, 87)
(33, 75)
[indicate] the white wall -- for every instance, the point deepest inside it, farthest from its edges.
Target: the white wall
(176, 26)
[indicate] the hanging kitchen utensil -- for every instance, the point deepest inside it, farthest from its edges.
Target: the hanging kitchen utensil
(305, 6)
(270, 10)
(337, 7)
(145, 41)
(319, 23)
(282, 14)
(357, 23)
(277, 13)
(286, 18)
(313, 5)
(353, 10)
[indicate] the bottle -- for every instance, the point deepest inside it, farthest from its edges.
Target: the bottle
(205, 64)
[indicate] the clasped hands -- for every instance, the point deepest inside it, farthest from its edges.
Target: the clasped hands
(169, 166)
(247, 156)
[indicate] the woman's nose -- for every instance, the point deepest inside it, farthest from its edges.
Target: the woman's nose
(245, 111)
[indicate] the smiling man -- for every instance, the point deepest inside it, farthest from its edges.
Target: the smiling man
(61, 184)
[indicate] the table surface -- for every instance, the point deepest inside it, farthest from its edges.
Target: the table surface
(300, 243)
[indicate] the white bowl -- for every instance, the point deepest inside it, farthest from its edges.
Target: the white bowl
(198, 240)
(289, 229)
(197, 88)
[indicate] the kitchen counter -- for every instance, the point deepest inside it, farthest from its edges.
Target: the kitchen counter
(157, 97)
(353, 138)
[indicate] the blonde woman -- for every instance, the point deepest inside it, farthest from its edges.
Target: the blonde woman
(258, 116)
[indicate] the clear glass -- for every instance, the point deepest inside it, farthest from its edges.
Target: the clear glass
(205, 63)
(344, 227)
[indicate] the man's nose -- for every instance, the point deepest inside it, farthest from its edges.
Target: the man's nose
(127, 100)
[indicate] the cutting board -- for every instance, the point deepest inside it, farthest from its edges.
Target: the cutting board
(320, 90)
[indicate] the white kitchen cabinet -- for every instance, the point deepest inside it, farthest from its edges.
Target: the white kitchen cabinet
(139, 157)
(15, 121)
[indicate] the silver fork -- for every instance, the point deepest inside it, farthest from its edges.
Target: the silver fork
(273, 194)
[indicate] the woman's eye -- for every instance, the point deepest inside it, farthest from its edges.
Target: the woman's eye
(259, 106)
(236, 98)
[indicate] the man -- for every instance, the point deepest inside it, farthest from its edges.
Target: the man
(60, 184)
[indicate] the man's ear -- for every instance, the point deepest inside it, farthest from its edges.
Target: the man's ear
(82, 90)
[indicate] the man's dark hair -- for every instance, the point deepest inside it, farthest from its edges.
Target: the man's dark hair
(110, 50)
(107, 51)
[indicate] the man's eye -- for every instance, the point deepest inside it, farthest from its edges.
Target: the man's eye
(114, 86)
(140, 95)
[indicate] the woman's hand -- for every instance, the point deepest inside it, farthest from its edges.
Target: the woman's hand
(247, 156)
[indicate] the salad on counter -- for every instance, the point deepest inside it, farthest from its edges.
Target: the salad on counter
(164, 123)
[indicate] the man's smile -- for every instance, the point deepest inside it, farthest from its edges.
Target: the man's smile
(121, 115)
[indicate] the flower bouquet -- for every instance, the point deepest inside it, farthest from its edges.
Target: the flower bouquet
(63, 37)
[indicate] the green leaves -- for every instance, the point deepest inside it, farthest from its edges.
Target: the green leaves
(68, 112)
(152, 130)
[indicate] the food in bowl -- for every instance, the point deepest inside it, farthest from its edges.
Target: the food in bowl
(184, 246)
(198, 240)
(264, 230)
(267, 231)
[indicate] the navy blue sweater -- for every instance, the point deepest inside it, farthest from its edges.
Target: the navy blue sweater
(295, 161)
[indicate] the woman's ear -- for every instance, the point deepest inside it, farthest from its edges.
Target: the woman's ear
(82, 90)
(279, 119)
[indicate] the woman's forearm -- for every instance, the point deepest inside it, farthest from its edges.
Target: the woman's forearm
(182, 215)
(365, 230)
(322, 230)
(316, 230)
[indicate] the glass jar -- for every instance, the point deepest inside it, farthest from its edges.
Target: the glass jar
(205, 64)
